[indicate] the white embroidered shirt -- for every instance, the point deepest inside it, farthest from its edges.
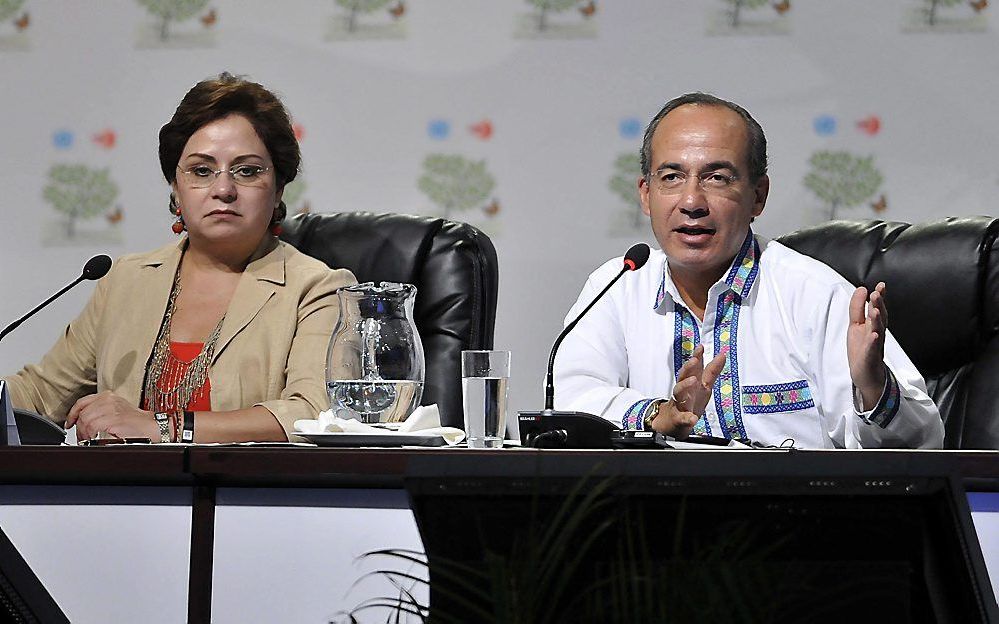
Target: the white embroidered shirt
(783, 317)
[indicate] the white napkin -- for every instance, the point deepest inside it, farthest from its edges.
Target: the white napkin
(425, 420)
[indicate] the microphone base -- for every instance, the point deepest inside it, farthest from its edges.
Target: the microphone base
(561, 429)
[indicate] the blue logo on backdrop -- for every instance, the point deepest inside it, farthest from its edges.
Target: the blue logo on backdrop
(439, 129)
(62, 139)
(630, 128)
(825, 125)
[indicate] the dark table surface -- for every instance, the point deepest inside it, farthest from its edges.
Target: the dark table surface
(237, 466)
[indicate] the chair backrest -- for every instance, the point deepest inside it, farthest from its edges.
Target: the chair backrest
(942, 294)
(453, 266)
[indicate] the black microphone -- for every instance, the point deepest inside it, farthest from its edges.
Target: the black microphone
(635, 259)
(96, 268)
(595, 433)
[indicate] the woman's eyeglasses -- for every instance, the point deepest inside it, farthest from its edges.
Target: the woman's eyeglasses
(203, 176)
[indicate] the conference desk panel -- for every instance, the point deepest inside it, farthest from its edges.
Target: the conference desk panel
(325, 524)
(275, 531)
(106, 530)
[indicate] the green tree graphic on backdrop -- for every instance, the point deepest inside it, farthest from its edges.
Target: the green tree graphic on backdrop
(8, 8)
(546, 6)
(933, 5)
(172, 11)
(842, 179)
(294, 193)
(454, 182)
(79, 192)
(739, 5)
(360, 6)
(623, 182)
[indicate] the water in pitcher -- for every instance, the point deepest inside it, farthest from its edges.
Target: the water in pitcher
(374, 401)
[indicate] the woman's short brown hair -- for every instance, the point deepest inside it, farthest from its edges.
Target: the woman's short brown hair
(214, 99)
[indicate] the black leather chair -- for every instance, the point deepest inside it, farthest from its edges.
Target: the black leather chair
(453, 266)
(942, 295)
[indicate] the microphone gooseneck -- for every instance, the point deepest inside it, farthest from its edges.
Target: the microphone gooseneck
(635, 259)
(96, 268)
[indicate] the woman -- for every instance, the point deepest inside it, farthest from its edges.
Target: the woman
(222, 334)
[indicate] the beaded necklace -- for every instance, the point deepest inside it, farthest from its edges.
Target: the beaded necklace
(181, 380)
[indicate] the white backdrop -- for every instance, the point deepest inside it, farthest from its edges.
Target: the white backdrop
(543, 120)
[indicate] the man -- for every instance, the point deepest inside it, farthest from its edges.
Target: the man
(727, 334)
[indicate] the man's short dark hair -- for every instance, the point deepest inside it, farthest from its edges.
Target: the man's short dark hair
(756, 148)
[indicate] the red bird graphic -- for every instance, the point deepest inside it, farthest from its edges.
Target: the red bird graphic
(483, 129)
(871, 125)
(106, 138)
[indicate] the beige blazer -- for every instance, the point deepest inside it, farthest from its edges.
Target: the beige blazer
(271, 352)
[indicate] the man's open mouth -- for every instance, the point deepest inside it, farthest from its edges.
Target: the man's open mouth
(694, 230)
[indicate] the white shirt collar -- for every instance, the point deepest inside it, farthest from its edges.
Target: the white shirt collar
(740, 277)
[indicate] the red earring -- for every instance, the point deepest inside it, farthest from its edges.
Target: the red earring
(276, 229)
(178, 225)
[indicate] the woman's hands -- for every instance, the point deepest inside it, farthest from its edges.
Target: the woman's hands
(108, 412)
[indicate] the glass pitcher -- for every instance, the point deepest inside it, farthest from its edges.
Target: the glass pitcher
(375, 364)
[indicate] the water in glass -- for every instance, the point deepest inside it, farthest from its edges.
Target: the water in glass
(485, 410)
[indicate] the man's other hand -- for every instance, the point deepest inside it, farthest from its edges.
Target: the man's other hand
(865, 343)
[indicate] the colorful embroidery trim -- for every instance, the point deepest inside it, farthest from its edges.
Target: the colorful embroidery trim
(884, 412)
(740, 279)
(745, 267)
(727, 386)
(684, 340)
(634, 417)
(684, 337)
(662, 289)
(784, 397)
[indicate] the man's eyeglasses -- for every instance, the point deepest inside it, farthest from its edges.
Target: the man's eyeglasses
(672, 182)
(203, 176)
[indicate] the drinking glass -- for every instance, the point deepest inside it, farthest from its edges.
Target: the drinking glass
(484, 379)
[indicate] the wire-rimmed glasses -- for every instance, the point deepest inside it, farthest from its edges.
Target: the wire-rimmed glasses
(243, 174)
(672, 182)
